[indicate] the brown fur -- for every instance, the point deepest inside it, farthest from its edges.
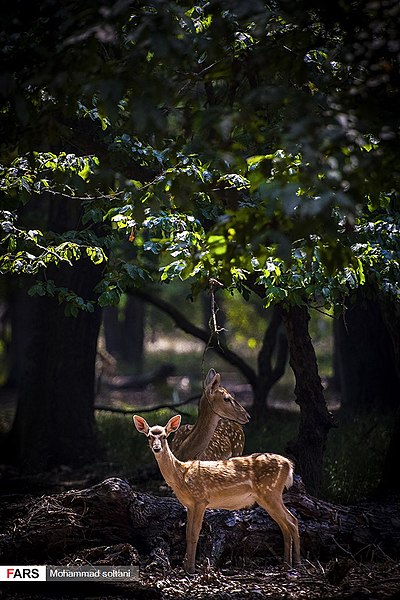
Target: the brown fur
(217, 433)
(231, 484)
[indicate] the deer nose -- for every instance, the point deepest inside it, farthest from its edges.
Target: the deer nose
(156, 446)
(245, 416)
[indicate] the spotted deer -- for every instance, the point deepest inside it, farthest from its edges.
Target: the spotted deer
(230, 484)
(217, 432)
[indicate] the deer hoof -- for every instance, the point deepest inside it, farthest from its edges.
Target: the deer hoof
(190, 569)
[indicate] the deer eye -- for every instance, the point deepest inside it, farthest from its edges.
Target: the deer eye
(227, 398)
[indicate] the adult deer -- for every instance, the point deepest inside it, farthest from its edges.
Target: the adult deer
(217, 432)
(231, 484)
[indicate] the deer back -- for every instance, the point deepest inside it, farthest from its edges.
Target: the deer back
(234, 483)
(227, 441)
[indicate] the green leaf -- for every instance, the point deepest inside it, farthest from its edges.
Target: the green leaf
(37, 290)
(217, 244)
(134, 272)
(152, 247)
(85, 172)
(96, 255)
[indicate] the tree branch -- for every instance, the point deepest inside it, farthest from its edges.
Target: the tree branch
(188, 327)
(147, 409)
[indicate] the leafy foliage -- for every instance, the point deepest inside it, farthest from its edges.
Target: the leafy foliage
(252, 143)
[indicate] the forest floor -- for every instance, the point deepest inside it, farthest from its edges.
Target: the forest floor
(368, 581)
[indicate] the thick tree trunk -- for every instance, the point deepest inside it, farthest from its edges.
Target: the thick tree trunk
(315, 419)
(134, 333)
(389, 482)
(274, 346)
(112, 331)
(54, 422)
(391, 316)
(52, 527)
(18, 320)
(124, 333)
(367, 363)
(336, 380)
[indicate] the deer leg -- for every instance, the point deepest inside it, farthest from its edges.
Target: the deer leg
(295, 537)
(288, 526)
(195, 516)
(293, 527)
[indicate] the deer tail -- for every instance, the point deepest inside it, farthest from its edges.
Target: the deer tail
(289, 478)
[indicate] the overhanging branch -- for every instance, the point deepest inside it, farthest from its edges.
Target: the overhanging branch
(188, 327)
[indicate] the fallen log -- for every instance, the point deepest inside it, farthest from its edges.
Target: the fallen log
(57, 526)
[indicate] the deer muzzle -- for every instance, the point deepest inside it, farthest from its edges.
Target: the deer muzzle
(156, 446)
(242, 416)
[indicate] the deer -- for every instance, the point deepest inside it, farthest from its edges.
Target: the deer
(231, 484)
(217, 433)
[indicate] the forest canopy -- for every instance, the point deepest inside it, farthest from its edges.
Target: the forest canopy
(249, 142)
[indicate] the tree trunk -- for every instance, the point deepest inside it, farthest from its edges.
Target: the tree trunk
(315, 420)
(18, 320)
(336, 380)
(53, 527)
(134, 333)
(366, 354)
(389, 482)
(54, 422)
(112, 331)
(124, 333)
(274, 342)
(391, 316)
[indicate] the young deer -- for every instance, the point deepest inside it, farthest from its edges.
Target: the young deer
(213, 437)
(231, 484)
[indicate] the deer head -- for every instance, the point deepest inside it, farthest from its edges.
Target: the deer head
(221, 401)
(157, 435)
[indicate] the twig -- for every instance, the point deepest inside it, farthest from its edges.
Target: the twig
(212, 323)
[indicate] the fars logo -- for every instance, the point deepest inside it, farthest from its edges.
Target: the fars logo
(22, 573)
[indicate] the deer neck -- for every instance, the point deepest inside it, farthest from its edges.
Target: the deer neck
(201, 433)
(170, 467)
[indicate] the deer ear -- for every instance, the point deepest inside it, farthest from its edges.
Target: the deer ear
(173, 424)
(141, 424)
(210, 377)
(213, 379)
